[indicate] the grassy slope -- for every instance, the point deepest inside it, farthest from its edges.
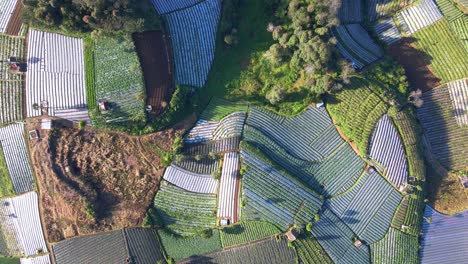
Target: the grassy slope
(6, 186)
(229, 61)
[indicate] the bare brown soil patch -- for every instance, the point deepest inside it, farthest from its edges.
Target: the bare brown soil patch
(14, 25)
(91, 181)
(416, 64)
(155, 58)
(445, 192)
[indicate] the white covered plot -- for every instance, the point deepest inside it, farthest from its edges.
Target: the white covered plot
(227, 189)
(201, 132)
(167, 6)
(21, 225)
(388, 31)
(387, 149)
(193, 38)
(55, 74)
(230, 126)
(459, 95)
(6, 10)
(16, 157)
(419, 16)
(192, 182)
(36, 260)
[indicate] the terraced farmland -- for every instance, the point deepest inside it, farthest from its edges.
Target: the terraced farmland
(448, 142)
(272, 196)
(229, 188)
(419, 16)
(350, 12)
(355, 45)
(219, 108)
(168, 6)
(205, 165)
(10, 47)
(368, 207)
(230, 126)
(6, 11)
(395, 247)
(356, 110)
(326, 176)
(119, 80)
(382, 8)
(193, 35)
(459, 95)
(448, 56)
(45, 259)
(183, 212)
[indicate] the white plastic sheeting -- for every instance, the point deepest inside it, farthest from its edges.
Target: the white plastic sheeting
(227, 189)
(6, 10)
(459, 95)
(419, 16)
(192, 182)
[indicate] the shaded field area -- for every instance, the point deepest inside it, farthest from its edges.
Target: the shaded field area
(92, 181)
(416, 64)
(156, 61)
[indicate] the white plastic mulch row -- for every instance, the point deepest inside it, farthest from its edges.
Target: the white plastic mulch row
(227, 189)
(21, 225)
(459, 95)
(419, 16)
(192, 182)
(388, 31)
(230, 126)
(203, 131)
(167, 6)
(55, 73)
(36, 260)
(6, 10)
(16, 157)
(386, 148)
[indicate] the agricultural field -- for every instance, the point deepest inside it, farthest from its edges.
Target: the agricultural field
(219, 108)
(11, 84)
(266, 251)
(247, 231)
(192, 182)
(458, 20)
(10, 22)
(448, 56)
(20, 225)
(395, 247)
(383, 8)
(193, 38)
(355, 111)
(228, 195)
(350, 12)
(56, 76)
(15, 152)
(309, 250)
(387, 150)
(418, 16)
(119, 80)
(185, 213)
(355, 45)
(387, 31)
(6, 185)
(155, 58)
(180, 248)
(447, 141)
(444, 238)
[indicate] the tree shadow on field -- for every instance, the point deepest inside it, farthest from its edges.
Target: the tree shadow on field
(416, 64)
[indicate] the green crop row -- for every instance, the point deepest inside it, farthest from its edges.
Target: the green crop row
(6, 186)
(247, 231)
(356, 110)
(446, 52)
(219, 108)
(395, 247)
(180, 248)
(310, 251)
(89, 73)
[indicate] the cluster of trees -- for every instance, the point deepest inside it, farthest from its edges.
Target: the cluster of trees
(86, 15)
(302, 61)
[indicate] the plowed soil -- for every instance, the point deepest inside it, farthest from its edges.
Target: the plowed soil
(416, 64)
(155, 59)
(92, 181)
(14, 25)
